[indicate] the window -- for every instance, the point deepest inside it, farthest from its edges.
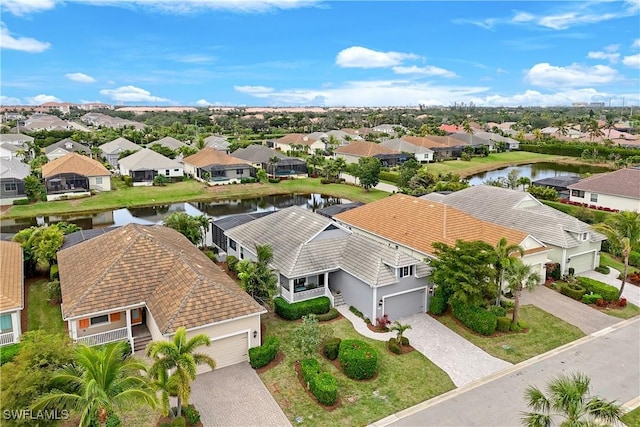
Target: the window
(299, 282)
(584, 237)
(406, 271)
(98, 180)
(10, 186)
(241, 253)
(99, 320)
(232, 244)
(5, 323)
(577, 193)
(594, 197)
(167, 172)
(176, 170)
(239, 171)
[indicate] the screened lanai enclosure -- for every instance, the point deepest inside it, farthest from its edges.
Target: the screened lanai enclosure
(287, 167)
(67, 183)
(143, 175)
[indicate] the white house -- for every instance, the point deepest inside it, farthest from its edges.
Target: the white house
(144, 165)
(619, 190)
(12, 289)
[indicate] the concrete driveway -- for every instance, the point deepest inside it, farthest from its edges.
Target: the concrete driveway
(235, 396)
(630, 292)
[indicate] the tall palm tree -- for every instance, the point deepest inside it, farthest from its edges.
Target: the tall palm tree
(623, 231)
(502, 253)
(519, 277)
(568, 398)
(178, 360)
(98, 383)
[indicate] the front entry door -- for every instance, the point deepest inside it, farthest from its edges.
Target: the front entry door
(136, 316)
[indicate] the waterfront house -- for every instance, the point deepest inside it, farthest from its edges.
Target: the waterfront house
(356, 150)
(74, 175)
(261, 156)
(618, 190)
(215, 167)
(144, 165)
(12, 175)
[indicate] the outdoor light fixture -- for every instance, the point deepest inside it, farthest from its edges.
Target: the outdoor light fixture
(255, 334)
(380, 303)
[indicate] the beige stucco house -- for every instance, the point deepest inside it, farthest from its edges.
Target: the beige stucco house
(618, 190)
(74, 175)
(11, 292)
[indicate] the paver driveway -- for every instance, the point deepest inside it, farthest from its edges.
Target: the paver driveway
(235, 396)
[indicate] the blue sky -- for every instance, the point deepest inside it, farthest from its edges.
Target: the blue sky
(321, 53)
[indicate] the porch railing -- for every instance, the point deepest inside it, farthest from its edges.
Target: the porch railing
(305, 295)
(104, 337)
(285, 293)
(7, 338)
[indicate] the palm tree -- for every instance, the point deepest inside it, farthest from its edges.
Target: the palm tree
(273, 160)
(98, 383)
(524, 180)
(568, 398)
(502, 254)
(400, 330)
(178, 362)
(519, 277)
(466, 126)
(623, 231)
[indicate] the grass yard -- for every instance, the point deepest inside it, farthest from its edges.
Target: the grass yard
(610, 261)
(190, 190)
(546, 332)
(41, 314)
(632, 419)
(402, 381)
(627, 312)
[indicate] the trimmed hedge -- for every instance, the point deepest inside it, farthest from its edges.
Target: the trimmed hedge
(310, 368)
(575, 150)
(262, 355)
(331, 348)
(296, 310)
(358, 359)
(503, 324)
(572, 291)
(634, 258)
(325, 388)
(609, 293)
(393, 346)
(603, 269)
(329, 315)
(477, 319)
(389, 176)
(20, 202)
(356, 312)
(8, 352)
(591, 298)
(438, 303)
(498, 310)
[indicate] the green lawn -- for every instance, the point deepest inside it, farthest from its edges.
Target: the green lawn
(627, 312)
(402, 381)
(41, 314)
(546, 332)
(632, 419)
(189, 190)
(494, 161)
(610, 261)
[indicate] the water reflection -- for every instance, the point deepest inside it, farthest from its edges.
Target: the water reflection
(536, 171)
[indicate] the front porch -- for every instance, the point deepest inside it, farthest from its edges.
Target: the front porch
(128, 325)
(306, 288)
(9, 328)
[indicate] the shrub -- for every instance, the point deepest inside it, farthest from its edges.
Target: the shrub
(160, 180)
(601, 303)
(210, 254)
(503, 324)
(438, 303)
(329, 315)
(393, 346)
(507, 304)
(591, 298)
(609, 293)
(310, 368)
(634, 258)
(19, 202)
(232, 263)
(331, 348)
(572, 290)
(53, 272)
(389, 176)
(54, 293)
(498, 310)
(356, 312)
(128, 181)
(112, 421)
(274, 180)
(296, 310)
(383, 321)
(248, 180)
(475, 318)
(358, 359)
(603, 269)
(8, 352)
(179, 422)
(622, 302)
(262, 355)
(404, 340)
(191, 414)
(325, 388)
(518, 327)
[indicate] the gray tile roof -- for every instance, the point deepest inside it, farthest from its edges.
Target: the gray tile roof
(69, 145)
(401, 145)
(255, 153)
(520, 211)
(217, 142)
(148, 159)
(15, 138)
(14, 168)
(169, 142)
(118, 145)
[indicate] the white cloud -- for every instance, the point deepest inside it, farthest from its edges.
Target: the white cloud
(632, 60)
(361, 57)
(80, 77)
(203, 103)
(575, 75)
(428, 70)
(609, 56)
(192, 58)
(251, 90)
(523, 17)
(9, 100)
(41, 99)
(24, 44)
(184, 7)
(636, 44)
(566, 20)
(25, 7)
(131, 94)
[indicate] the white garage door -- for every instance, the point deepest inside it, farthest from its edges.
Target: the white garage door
(403, 305)
(226, 351)
(582, 263)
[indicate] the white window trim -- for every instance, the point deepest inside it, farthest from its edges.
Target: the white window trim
(108, 322)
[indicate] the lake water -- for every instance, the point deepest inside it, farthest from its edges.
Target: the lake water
(155, 214)
(535, 171)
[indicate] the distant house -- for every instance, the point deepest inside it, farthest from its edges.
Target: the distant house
(64, 147)
(111, 150)
(473, 140)
(356, 150)
(218, 142)
(422, 154)
(260, 157)
(618, 190)
(16, 139)
(389, 129)
(10, 151)
(74, 175)
(512, 144)
(144, 165)
(169, 142)
(297, 142)
(215, 167)
(443, 147)
(11, 291)
(12, 175)
(559, 183)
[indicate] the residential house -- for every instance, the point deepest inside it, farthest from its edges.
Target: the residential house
(18, 139)
(444, 147)
(316, 257)
(111, 150)
(422, 154)
(261, 156)
(220, 143)
(389, 129)
(356, 150)
(573, 244)
(559, 183)
(12, 175)
(473, 140)
(105, 121)
(40, 121)
(220, 226)
(10, 151)
(138, 283)
(170, 143)
(144, 165)
(64, 147)
(341, 136)
(215, 167)
(11, 291)
(295, 142)
(492, 138)
(412, 225)
(74, 175)
(618, 190)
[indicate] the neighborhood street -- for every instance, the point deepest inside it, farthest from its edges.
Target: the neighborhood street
(611, 358)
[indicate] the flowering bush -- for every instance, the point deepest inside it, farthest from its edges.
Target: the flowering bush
(622, 302)
(383, 322)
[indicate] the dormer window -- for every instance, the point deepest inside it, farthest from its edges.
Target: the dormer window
(406, 271)
(584, 237)
(68, 145)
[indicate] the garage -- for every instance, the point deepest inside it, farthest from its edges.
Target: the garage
(226, 351)
(405, 304)
(582, 263)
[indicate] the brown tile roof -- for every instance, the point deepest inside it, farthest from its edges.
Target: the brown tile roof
(74, 163)
(364, 149)
(296, 138)
(623, 182)
(434, 141)
(210, 156)
(417, 223)
(11, 278)
(154, 265)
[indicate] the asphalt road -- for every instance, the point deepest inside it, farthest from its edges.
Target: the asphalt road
(611, 360)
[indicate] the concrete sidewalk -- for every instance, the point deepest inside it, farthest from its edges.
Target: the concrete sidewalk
(630, 292)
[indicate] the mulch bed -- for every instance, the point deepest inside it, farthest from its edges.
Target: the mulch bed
(377, 329)
(275, 362)
(405, 349)
(311, 396)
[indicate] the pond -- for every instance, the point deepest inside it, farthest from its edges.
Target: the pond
(535, 171)
(155, 214)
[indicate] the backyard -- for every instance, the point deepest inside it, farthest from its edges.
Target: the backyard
(40, 313)
(402, 381)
